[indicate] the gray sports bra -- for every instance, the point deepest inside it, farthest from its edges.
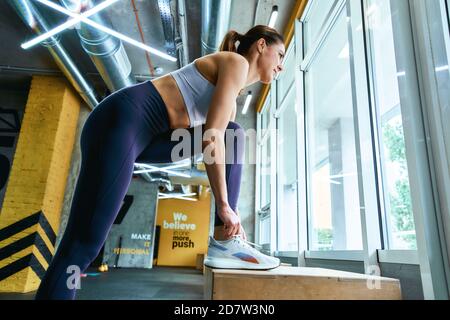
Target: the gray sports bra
(196, 90)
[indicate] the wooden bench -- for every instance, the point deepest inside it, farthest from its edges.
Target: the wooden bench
(297, 283)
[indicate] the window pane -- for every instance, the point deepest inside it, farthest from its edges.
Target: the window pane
(265, 157)
(265, 173)
(394, 169)
(333, 192)
(264, 230)
(313, 26)
(287, 177)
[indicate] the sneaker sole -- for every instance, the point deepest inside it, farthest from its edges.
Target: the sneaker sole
(221, 263)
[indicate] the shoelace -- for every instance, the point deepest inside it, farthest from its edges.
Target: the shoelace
(239, 239)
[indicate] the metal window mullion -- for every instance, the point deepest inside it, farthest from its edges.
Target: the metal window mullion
(273, 170)
(347, 255)
(398, 256)
(278, 173)
(302, 215)
(258, 195)
(286, 254)
(369, 209)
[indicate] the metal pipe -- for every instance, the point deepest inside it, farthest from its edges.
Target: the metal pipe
(216, 15)
(183, 33)
(196, 177)
(106, 52)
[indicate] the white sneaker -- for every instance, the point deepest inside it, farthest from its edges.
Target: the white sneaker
(236, 253)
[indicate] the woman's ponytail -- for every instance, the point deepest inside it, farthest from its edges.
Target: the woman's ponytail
(229, 41)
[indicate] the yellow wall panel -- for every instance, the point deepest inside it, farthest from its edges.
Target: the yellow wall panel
(36, 186)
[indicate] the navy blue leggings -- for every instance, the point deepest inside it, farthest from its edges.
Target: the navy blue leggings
(130, 125)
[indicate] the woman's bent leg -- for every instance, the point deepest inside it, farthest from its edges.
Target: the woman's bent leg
(234, 153)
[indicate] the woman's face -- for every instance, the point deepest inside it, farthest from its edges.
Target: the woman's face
(270, 60)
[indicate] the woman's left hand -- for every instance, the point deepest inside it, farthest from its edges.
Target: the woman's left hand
(241, 231)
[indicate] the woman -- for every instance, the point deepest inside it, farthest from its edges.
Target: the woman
(135, 123)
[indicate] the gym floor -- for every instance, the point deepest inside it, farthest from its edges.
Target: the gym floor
(159, 283)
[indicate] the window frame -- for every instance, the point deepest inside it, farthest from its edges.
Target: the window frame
(371, 240)
(428, 226)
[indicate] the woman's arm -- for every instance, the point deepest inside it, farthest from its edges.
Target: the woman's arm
(232, 76)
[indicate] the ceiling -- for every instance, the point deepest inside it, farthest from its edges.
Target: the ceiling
(15, 63)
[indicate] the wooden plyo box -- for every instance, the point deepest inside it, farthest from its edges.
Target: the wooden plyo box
(200, 259)
(297, 283)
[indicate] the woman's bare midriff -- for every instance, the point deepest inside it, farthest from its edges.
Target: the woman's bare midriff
(171, 94)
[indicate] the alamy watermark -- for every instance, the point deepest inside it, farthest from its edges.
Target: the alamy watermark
(239, 146)
(374, 282)
(73, 281)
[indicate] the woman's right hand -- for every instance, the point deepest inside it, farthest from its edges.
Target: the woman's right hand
(231, 221)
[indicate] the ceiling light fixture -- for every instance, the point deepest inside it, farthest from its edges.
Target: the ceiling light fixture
(146, 168)
(107, 30)
(273, 16)
(67, 24)
(247, 102)
(181, 196)
(442, 68)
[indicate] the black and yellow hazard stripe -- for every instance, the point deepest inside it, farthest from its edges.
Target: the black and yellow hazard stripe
(36, 183)
(35, 239)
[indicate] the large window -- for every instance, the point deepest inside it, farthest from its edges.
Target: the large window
(387, 76)
(347, 171)
(358, 164)
(333, 190)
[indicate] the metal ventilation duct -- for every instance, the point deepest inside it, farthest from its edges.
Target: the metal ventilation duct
(105, 51)
(196, 177)
(184, 51)
(216, 16)
(168, 25)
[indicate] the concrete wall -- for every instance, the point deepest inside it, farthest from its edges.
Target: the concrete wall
(13, 98)
(130, 242)
(73, 173)
(409, 276)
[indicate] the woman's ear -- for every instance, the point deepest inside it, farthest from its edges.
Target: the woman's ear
(261, 44)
